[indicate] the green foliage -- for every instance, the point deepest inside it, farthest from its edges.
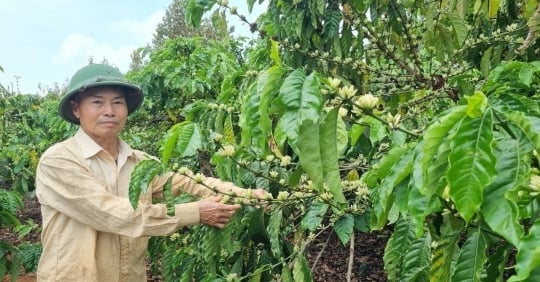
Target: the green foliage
(490, 177)
(30, 125)
(353, 115)
(336, 110)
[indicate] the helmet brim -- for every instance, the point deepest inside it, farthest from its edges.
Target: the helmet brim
(134, 98)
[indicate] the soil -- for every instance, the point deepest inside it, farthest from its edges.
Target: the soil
(327, 256)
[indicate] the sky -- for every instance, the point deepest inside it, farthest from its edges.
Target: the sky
(46, 41)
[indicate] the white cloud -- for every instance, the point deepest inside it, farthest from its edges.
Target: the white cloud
(78, 47)
(143, 30)
(74, 46)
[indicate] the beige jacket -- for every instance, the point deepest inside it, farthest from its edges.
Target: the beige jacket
(90, 230)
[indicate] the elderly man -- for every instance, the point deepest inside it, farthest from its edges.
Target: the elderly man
(90, 230)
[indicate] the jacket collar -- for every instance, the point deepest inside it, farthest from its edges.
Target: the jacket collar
(90, 148)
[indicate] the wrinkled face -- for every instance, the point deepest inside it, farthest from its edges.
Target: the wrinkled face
(102, 112)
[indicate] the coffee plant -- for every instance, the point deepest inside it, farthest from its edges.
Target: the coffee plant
(418, 116)
(361, 115)
(29, 126)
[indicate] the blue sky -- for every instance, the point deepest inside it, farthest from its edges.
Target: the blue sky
(46, 41)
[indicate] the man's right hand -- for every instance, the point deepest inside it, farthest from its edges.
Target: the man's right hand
(214, 213)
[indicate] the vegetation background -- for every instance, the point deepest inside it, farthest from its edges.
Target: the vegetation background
(414, 120)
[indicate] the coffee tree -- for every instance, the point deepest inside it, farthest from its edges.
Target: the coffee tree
(358, 115)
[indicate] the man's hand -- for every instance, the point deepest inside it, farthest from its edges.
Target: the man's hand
(214, 213)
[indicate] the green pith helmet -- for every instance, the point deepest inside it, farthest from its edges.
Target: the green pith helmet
(94, 75)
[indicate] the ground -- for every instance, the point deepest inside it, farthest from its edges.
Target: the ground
(327, 256)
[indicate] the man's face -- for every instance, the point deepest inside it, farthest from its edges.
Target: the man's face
(102, 112)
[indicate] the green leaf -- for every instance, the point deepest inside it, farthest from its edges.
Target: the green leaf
(485, 62)
(309, 153)
(509, 102)
(211, 248)
(342, 138)
(318, 154)
(399, 170)
(436, 134)
(472, 163)
(329, 143)
(273, 229)
(435, 180)
(501, 214)
(344, 228)
(228, 130)
(526, 74)
(194, 12)
(377, 130)
(314, 216)
(397, 245)
(286, 274)
(274, 53)
(268, 85)
(143, 174)
(445, 250)
(189, 139)
(249, 120)
(168, 143)
(356, 132)
(530, 126)
(301, 100)
(528, 255)
(416, 260)
(257, 228)
(471, 259)
(301, 271)
(476, 104)
(460, 28)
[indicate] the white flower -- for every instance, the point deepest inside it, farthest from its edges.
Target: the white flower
(326, 196)
(362, 191)
(282, 182)
(274, 174)
(393, 121)
(285, 161)
(367, 102)
(184, 171)
(282, 195)
(347, 92)
(342, 112)
(231, 277)
(199, 178)
(270, 158)
(226, 151)
(334, 82)
(218, 137)
(534, 183)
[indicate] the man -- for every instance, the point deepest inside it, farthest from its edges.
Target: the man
(90, 230)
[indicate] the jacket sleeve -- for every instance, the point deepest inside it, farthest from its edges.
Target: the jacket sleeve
(185, 183)
(66, 185)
